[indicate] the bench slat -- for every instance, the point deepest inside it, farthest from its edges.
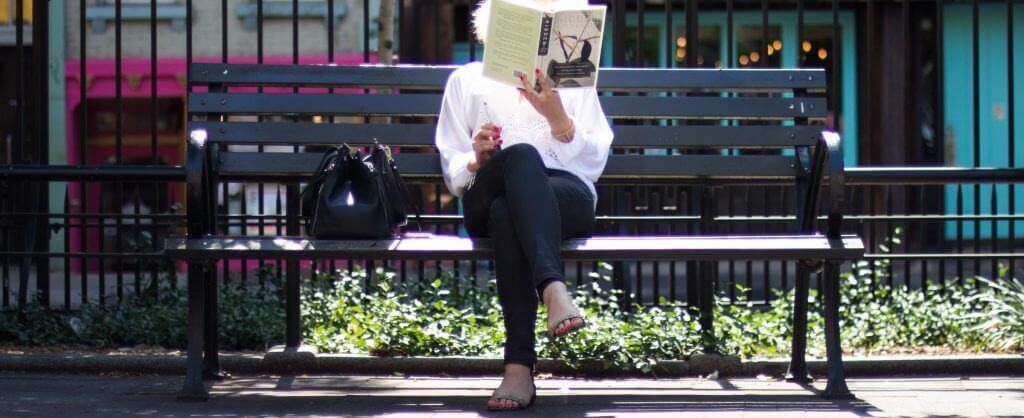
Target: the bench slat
(434, 77)
(758, 247)
(422, 135)
(624, 107)
(242, 165)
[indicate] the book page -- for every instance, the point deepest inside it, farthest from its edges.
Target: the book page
(574, 48)
(512, 39)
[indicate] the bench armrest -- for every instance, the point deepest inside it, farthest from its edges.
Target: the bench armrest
(836, 182)
(197, 184)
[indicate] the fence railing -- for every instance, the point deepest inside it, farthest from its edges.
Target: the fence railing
(86, 201)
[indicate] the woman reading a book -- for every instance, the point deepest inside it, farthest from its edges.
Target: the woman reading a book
(524, 162)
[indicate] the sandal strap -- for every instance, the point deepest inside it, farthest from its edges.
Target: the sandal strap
(502, 395)
(566, 317)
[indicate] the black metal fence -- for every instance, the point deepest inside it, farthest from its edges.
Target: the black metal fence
(84, 214)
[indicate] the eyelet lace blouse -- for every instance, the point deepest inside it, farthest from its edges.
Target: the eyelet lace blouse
(470, 100)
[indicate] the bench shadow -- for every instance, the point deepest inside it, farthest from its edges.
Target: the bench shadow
(327, 399)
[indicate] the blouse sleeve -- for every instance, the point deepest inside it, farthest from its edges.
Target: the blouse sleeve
(587, 154)
(454, 138)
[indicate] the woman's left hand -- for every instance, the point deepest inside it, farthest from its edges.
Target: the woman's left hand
(547, 102)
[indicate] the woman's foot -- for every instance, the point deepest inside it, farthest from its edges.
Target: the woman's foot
(516, 390)
(563, 318)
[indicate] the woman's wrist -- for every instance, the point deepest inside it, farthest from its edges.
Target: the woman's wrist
(560, 124)
(564, 130)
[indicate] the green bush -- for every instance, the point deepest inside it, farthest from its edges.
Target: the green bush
(250, 318)
(1001, 323)
(452, 315)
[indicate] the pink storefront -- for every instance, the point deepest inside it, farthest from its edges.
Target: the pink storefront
(137, 138)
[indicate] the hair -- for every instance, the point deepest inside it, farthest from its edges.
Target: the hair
(483, 12)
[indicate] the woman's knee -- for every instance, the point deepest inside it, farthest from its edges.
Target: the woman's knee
(500, 217)
(522, 153)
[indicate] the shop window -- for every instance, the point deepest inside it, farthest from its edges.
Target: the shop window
(9, 11)
(749, 52)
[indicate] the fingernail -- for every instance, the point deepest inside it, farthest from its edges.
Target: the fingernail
(537, 70)
(500, 142)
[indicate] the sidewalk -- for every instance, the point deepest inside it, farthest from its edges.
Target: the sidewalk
(64, 395)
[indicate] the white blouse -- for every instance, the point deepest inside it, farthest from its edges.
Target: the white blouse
(470, 100)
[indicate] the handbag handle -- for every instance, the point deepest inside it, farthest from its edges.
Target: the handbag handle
(305, 197)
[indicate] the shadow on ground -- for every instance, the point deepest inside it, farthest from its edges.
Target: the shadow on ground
(556, 398)
(412, 396)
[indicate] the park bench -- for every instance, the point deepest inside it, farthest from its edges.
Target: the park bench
(292, 94)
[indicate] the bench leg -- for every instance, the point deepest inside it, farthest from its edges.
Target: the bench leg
(211, 365)
(194, 390)
(706, 285)
(836, 387)
(293, 336)
(798, 362)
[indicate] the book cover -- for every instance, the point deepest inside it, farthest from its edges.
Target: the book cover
(565, 44)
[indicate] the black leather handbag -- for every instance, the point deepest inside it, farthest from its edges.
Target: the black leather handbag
(351, 197)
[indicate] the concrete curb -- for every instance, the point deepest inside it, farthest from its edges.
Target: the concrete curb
(1003, 364)
(305, 362)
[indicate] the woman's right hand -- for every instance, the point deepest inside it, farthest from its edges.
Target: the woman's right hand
(485, 143)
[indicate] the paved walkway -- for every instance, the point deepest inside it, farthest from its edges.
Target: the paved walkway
(76, 395)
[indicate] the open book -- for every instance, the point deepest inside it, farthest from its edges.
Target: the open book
(565, 44)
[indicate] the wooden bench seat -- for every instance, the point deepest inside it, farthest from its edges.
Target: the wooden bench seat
(607, 248)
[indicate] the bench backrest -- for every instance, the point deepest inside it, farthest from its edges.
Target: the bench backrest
(680, 110)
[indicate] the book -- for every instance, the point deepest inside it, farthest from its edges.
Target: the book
(563, 43)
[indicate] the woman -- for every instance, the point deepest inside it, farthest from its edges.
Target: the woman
(524, 164)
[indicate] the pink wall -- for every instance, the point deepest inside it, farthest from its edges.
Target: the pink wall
(170, 79)
(136, 82)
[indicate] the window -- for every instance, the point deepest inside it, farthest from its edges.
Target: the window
(9, 11)
(709, 52)
(749, 53)
(650, 51)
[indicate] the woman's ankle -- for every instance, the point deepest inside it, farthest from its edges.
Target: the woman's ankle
(518, 369)
(552, 290)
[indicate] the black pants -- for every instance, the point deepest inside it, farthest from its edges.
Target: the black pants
(526, 210)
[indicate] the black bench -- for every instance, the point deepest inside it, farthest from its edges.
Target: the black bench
(796, 96)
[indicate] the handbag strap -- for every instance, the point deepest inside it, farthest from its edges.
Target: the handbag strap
(402, 188)
(405, 194)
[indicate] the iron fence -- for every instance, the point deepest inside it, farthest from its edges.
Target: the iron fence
(86, 203)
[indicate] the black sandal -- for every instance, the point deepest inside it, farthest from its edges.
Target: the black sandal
(567, 320)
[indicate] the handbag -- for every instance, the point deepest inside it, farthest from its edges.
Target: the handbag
(351, 197)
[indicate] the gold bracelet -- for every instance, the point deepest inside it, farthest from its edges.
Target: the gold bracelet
(564, 136)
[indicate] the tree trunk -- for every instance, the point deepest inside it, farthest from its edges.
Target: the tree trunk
(386, 33)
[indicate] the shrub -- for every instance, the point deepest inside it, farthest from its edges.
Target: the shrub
(452, 315)
(1001, 323)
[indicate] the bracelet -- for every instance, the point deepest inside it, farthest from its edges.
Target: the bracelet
(564, 136)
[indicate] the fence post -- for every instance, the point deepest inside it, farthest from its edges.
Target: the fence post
(708, 278)
(619, 30)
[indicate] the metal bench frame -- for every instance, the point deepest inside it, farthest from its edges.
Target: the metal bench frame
(817, 159)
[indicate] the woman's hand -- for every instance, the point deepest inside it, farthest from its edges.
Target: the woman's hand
(485, 142)
(548, 103)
